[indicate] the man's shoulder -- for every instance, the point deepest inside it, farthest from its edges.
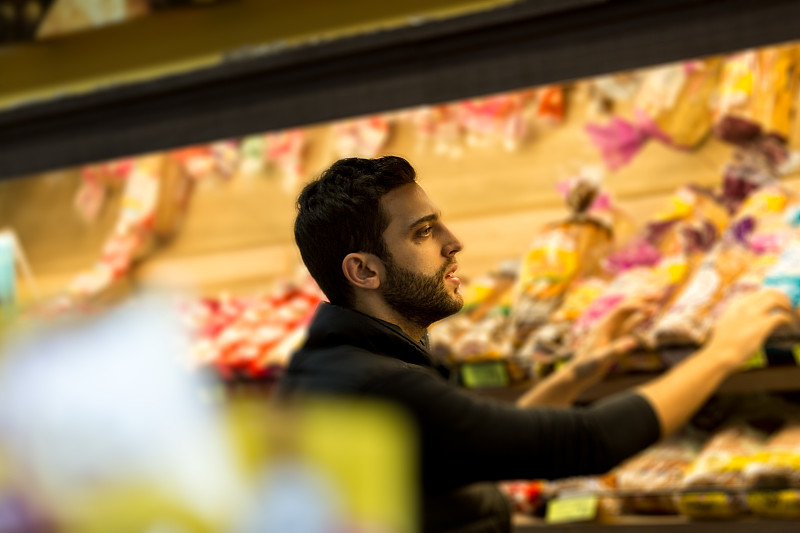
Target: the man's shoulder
(345, 368)
(346, 355)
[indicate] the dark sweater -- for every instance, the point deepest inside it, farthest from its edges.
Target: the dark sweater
(464, 439)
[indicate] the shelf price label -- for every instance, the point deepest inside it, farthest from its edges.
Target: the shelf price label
(572, 509)
(796, 353)
(484, 374)
(775, 504)
(759, 360)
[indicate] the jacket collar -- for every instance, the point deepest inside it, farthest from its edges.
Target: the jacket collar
(334, 325)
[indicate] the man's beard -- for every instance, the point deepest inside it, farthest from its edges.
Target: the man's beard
(420, 299)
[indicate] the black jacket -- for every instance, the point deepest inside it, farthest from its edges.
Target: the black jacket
(464, 439)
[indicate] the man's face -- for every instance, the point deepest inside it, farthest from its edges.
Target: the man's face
(419, 282)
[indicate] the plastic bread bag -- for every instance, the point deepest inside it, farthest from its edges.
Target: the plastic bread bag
(759, 87)
(658, 282)
(766, 227)
(692, 220)
(443, 335)
(777, 465)
(754, 112)
(525, 496)
(657, 259)
(491, 292)
(774, 475)
(651, 478)
(714, 485)
(553, 341)
(486, 294)
(784, 275)
(673, 105)
(560, 253)
(755, 164)
(485, 339)
(688, 319)
(721, 461)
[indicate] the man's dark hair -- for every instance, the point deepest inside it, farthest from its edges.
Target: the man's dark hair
(340, 213)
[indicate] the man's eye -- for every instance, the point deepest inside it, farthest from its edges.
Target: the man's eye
(425, 232)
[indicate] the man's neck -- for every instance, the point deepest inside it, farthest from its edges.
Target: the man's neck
(379, 309)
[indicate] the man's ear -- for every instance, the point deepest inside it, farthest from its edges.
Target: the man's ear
(363, 270)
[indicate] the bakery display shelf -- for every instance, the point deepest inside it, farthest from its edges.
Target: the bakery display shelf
(771, 379)
(659, 524)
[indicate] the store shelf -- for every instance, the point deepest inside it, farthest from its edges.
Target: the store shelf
(774, 379)
(660, 524)
(221, 81)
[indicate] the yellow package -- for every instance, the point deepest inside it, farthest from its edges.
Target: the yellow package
(776, 88)
(676, 99)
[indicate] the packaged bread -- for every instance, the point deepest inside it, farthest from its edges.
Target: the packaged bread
(722, 459)
(759, 230)
(688, 319)
(560, 253)
(774, 475)
(714, 485)
(525, 496)
(758, 90)
(488, 294)
(673, 105)
(777, 465)
(443, 335)
(767, 228)
(650, 479)
(677, 99)
(485, 339)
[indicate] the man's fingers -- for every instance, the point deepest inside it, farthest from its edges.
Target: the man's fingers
(634, 320)
(624, 345)
(779, 319)
(769, 298)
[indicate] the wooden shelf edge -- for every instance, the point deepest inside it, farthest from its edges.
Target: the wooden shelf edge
(660, 524)
(771, 379)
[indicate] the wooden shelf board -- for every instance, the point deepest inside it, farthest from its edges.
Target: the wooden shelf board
(661, 524)
(773, 379)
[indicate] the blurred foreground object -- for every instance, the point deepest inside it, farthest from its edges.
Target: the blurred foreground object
(103, 427)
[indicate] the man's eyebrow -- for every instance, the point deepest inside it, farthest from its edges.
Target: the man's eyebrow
(426, 218)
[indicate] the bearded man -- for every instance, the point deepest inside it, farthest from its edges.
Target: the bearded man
(380, 250)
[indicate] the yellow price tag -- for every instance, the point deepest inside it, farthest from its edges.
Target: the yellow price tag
(572, 509)
(759, 360)
(707, 505)
(775, 504)
(485, 374)
(796, 353)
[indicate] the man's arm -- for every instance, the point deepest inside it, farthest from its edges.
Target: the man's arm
(563, 387)
(594, 357)
(675, 396)
(740, 331)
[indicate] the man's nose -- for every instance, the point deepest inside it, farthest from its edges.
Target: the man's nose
(453, 245)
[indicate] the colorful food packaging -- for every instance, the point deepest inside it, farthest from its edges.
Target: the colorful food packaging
(488, 338)
(673, 105)
(723, 457)
(774, 475)
(525, 496)
(777, 465)
(758, 89)
(482, 320)
(651, 478)
(559, 254)
(714, 484)
(251, 337)
(688, 319)
(658, 261)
